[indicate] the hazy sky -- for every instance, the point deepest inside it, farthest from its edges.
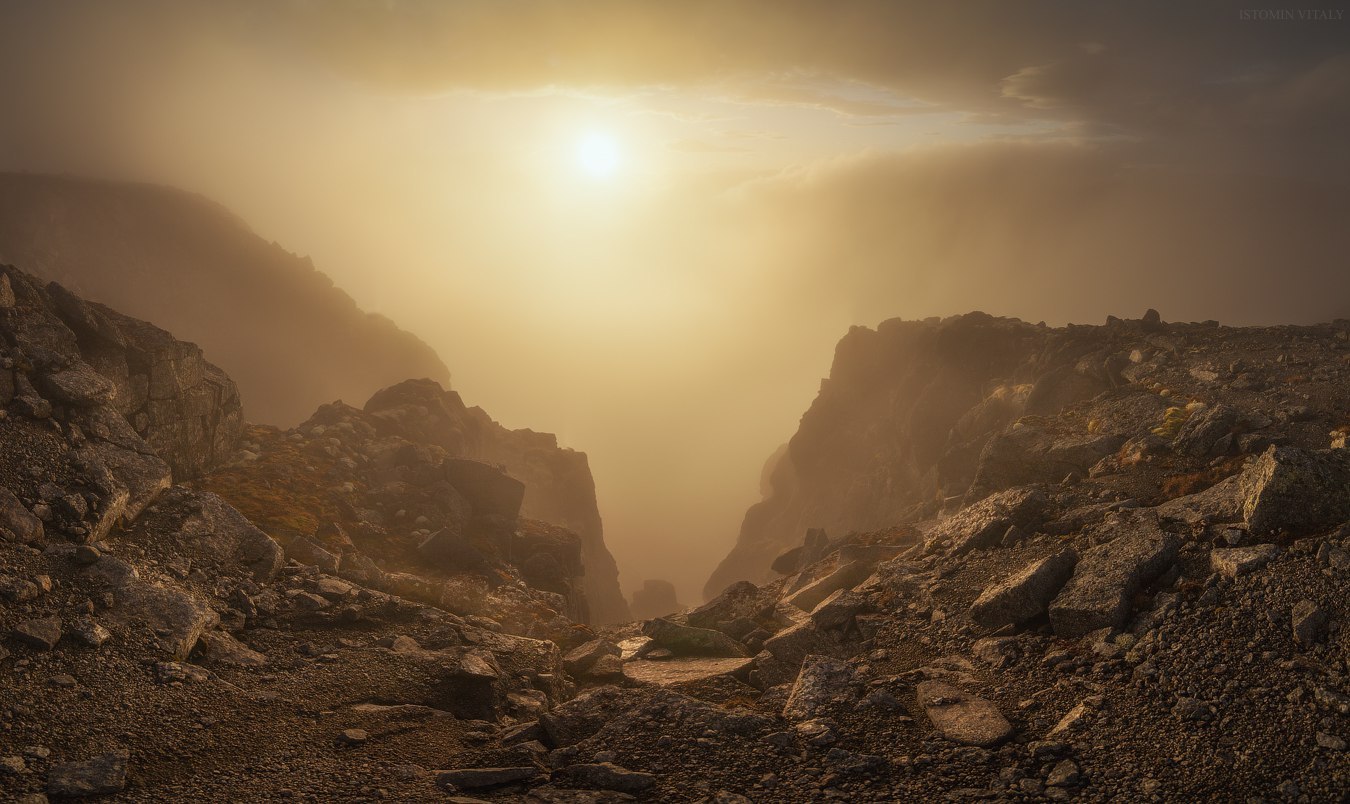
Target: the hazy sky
(644, 225)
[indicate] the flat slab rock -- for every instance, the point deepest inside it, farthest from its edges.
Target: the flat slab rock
(1108, 575)
(961, 717)
(90, 777)
(682, 671)
(484, 778)
(606, 776)
(1236, 561)
(684, 640)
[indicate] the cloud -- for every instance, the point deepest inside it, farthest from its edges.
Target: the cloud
(1197, 80)
(1055, 231)
(701, 147)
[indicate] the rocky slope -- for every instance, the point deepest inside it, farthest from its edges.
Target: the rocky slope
(411, 562)
(278, 326)
(915, 414)
(1121, 577)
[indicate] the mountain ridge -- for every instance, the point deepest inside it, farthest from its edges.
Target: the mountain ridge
(288, 335)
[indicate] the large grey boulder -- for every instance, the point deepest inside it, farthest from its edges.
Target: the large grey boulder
(1204, 433)
(1025, 594)
(1108, 575)
(484, 778)
(212, 534)
(176, 616)
(741, 600)
(682, 671)
(684, 640)
(575, 720)
(792, 645)
(984, 523)
(1296, 490)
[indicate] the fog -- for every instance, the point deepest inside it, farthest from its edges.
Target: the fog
(779, 172)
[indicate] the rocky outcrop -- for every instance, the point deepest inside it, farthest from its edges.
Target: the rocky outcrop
(279, 327)
(921, 419)
(103, 412)
(901, 421)
(656, 598)
(126, 384)
(559, 488)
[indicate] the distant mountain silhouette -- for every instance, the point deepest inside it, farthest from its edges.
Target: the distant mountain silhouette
(279, 327)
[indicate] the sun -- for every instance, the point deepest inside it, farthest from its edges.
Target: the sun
(598, 155)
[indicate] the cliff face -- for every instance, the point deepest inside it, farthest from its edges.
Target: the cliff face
(559, 488)
(918, 416)
(119, 404)
(883, 434)
(278, 326)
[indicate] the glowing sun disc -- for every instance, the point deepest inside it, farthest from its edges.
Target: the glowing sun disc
(598, 155)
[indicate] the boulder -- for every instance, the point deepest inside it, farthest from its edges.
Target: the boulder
(1308, 622)
(1296, 490)
(214, 532)
(823, 682)
(142, 477)
(793, 645)
(1233, 562)
(740, 600)
(983, 524)
(42, 633)
(996, 651)
(89, 633)
(571, 722)
(217, 647)
(1108, 575)
(579, 659)
(837, 612)
(17, 523)
(846, 576)
(77, 385)
(172, 613)
(1025, 594)
(99, 776)
(961, 717)
(684, 640)
(1204, 431)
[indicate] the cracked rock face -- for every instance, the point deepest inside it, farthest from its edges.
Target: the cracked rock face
(1099, 593)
